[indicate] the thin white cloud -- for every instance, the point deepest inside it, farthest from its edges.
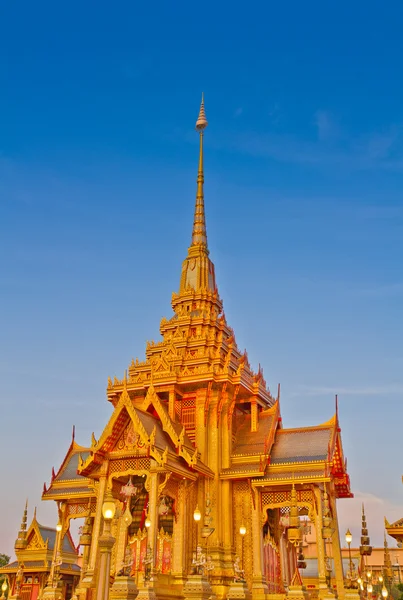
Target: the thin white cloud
(378, 150)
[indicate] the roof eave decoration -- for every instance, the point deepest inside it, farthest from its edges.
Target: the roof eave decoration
(124, 404)
(167, 425)
(336, 462)
(276, 421)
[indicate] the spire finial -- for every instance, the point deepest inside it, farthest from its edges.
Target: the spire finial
(21, 541)
(199, 235)
(198, 272)
(24, 518)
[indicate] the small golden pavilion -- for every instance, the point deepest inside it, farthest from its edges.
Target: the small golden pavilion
(195, 431)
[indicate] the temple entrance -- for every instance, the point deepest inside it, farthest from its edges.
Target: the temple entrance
(271, 551)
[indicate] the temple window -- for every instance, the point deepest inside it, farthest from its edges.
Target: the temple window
(188, 417)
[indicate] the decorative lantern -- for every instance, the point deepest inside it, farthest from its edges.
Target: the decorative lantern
(129, 489)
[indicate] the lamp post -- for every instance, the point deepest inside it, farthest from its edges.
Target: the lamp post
(242, 531)
(4, 590)
(149, 558)
(197, 517)
(106, 542)
(349, 539)
(384, 592)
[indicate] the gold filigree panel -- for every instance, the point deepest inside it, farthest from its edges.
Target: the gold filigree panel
(242, 515)
(129, 464)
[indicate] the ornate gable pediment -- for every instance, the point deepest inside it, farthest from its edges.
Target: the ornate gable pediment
(129, 440)
(35, 541)
(170, 353)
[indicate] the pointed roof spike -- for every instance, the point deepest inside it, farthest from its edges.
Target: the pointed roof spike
(201, 122)
(73, 435)
(278, 391)
(199, 233)
(34, 514)
(198, 273)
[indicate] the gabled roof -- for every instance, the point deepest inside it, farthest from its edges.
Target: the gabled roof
(67, 481)
(48, 533)
(159, 435)
(309, 454)
(308, 444)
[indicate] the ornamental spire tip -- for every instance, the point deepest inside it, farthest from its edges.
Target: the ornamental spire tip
(201, 122)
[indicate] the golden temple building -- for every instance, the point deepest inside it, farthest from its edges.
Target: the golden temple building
(205, 479)
(35, 547)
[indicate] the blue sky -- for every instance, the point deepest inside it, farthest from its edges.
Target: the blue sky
(304, 173)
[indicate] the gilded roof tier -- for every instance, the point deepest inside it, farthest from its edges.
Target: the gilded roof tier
(249, 442)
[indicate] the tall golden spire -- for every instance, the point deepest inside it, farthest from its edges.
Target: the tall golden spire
(199, 234)
(21, 541)
(197, 269)
(365, 548)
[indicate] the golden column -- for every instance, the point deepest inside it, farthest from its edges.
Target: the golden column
(105, 543)
(259, 584)
(324, 591)
(338, 564)
(97, 522)
(52, 590)
(180, 534)
(153, 511)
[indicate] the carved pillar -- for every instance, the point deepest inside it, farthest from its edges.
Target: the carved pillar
(254, 415)
(171, 404)
(121, 541)
(54, 589)
(153, 511)
(259, 584)
(338, 564)
(319, 539)
(180, 534)
(284, 560)
(97, 523)
(324, 591)
(201, 437)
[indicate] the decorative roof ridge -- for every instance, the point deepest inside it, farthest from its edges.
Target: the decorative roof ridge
(397, 524)
(322, 426)
(180, 440)
(295, 462)
(271, 410)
